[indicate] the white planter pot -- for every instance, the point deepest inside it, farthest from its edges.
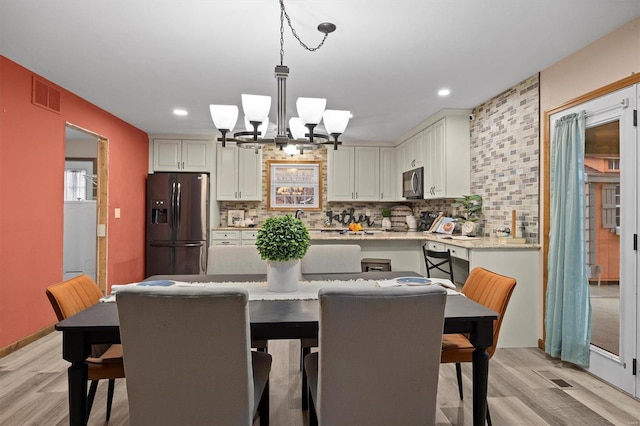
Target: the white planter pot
(283, 277)
(386, 223)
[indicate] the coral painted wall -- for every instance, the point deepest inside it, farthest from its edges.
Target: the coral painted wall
(31, 207)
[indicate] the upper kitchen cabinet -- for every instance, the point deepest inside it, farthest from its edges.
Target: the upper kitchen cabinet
(447, 158)
(411, 153)
(181, 155)
(390, 182)
(239, 173)
(353, 173)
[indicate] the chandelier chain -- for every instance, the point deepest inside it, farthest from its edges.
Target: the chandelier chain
(284, 14)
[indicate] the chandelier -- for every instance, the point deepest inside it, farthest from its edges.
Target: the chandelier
(300, 133)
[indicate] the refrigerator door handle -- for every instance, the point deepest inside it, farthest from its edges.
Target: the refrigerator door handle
(173, 204)
(179, 205)
(171, 244)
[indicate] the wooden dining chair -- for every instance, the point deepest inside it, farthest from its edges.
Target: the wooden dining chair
(379, 355)
(438, 260)
(70, 297)
(199, 338)
(493, 291)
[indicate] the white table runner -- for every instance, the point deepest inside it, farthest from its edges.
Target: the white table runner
(308, 290)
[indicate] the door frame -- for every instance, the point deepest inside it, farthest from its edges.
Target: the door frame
(598, 93)
(102, 203)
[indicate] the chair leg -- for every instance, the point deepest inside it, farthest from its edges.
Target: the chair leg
(112, 383)
(488, 416)
(305, 393)
(263, 406)
(459, 377)
(312, 416)
(91, 396)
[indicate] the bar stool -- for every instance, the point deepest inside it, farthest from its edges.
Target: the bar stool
(373, 264)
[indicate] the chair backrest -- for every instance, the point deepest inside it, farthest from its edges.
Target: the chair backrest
(493, 291)
(331, 258)
(73, 295)
(186, 355)
(379, 355)
(226, 260)
(439, 260)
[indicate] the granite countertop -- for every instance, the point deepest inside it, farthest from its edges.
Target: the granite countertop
(377, 234)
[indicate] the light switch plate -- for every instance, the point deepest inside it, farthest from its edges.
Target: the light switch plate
(116, 212)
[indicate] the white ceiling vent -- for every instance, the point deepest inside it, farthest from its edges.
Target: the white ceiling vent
(45, 96)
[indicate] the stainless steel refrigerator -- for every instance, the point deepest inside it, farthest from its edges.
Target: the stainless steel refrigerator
(177, 223)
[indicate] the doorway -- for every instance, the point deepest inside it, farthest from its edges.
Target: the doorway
(611, 202)
(85, 205)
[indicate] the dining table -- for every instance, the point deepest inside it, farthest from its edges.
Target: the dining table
(289, 318)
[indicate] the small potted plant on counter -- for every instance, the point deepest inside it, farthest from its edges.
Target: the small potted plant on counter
(282, 241)
(471, 209)
(386, 218)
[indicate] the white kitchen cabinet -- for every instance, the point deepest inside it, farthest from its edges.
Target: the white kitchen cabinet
(181, 155)
(225, 238)
(353, 174)
(390, 182)
(447, 158)
(239, 173)
(413, 153)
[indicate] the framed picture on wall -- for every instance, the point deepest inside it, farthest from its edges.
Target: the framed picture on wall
(294, 185)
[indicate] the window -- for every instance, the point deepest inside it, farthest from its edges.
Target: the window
(611, 207)
(614, 164)
(75, 185)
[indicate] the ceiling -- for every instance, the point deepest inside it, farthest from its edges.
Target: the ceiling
(385, 62)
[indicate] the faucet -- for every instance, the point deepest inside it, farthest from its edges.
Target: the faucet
(299, 213)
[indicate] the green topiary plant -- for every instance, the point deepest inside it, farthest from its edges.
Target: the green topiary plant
(472, 207)
(282, 238)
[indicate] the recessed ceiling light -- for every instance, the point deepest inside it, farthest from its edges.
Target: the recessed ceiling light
(180, 112)
(444, 92)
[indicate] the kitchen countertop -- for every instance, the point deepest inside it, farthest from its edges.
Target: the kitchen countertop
(333, 234)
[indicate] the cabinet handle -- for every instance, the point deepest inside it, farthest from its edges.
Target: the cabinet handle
(225, 242)
(356, 195)
(382, 196)
(235, 194)
(240, 194)
(183, 165)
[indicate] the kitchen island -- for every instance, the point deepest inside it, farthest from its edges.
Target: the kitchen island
(522, 325)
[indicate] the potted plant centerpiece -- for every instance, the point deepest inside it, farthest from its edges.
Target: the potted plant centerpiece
(471, 209)
(282, 241)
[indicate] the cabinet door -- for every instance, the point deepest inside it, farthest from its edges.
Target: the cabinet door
(389, 178)
(194, 156)
(226, 172)
(249, 174)
(419, 150)
(434, 176)
(167, 155)
(340, 174)
(367, 173)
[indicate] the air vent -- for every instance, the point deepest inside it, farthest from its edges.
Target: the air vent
(45, 96)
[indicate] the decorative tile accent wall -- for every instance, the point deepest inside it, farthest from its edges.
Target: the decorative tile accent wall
(505, 159)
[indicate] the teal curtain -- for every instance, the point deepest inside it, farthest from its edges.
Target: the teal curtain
(568, 309)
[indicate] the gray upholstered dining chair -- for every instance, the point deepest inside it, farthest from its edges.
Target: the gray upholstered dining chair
(379, 356)
(325, 259)
(331, 258)
(199, 339)
(226, 260)
(234, 260)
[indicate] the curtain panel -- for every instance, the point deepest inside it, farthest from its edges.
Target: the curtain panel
(568, 308)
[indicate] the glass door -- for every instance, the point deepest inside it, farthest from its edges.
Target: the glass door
(611, 187)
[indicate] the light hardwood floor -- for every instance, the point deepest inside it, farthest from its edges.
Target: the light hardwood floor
(525, 388)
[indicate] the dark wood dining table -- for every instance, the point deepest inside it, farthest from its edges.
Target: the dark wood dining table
(270, 319)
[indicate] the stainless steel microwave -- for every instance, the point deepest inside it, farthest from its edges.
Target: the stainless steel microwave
(413, 183)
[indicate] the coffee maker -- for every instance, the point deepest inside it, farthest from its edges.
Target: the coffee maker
(425, 220)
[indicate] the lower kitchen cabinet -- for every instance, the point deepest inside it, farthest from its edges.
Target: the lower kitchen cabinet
(234, 238)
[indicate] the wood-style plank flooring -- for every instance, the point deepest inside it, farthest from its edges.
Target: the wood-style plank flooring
(525, 388)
